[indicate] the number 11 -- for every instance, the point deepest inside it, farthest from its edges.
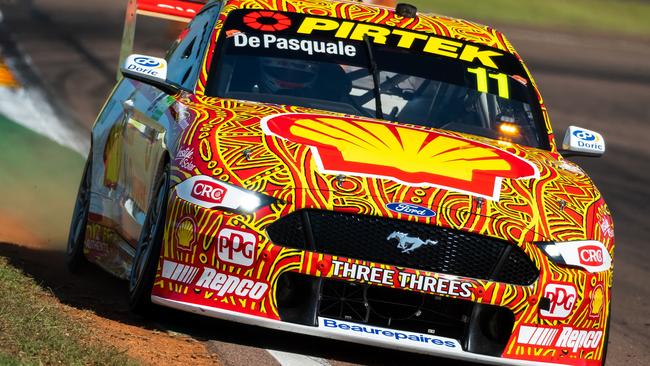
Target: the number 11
(482, 81)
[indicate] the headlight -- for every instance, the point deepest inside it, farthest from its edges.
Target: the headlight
(208, 192)
(590, 255)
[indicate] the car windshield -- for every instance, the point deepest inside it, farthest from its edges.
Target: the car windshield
(375, 71)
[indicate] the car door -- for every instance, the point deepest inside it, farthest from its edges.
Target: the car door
(149, 124)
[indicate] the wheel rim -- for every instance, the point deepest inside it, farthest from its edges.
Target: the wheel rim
(80, 215)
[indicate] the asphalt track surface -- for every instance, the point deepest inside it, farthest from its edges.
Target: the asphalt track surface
(597, 82)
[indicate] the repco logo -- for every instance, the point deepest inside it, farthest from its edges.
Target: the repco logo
(207, 191)
(236, 247)
(591, 255)
(224, 284)
(562, 299)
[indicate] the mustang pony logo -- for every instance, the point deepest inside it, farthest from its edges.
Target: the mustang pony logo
(408, 155)
(408, 244)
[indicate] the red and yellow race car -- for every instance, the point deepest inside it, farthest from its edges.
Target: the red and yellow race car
(352, 171)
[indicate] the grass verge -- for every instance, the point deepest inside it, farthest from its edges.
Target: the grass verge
(42, 177)
(615, 16)
(35, 331)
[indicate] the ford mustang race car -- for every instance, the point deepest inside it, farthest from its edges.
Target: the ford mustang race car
(338, 169)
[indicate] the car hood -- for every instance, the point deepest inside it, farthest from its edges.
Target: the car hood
(320, 160)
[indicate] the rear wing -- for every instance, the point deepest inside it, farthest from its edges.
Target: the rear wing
(172, 10)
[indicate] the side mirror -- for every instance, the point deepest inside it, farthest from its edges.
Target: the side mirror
(582, 142)
(149, 70)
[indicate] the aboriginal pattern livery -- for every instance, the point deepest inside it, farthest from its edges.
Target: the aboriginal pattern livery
(302, 159)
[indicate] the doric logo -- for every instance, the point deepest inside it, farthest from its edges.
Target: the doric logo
(408, 155)
(408, 244)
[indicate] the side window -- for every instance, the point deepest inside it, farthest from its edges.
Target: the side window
(186, 54)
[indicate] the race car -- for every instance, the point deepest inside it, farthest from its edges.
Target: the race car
(372, 174)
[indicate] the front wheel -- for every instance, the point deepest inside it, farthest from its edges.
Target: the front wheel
(75, 258)
(145, 262)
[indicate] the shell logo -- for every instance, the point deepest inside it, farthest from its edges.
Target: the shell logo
(597, 301)
(411, 156)
(186, 233)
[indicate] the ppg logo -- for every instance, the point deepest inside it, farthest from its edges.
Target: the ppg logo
(146, 62)
(584, 135)
(236, 247)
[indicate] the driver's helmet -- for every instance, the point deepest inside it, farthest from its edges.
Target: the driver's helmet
(283, 74)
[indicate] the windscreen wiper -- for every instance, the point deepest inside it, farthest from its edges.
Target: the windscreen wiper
(374, 70)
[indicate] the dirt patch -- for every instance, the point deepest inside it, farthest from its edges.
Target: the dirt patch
(148, 346)
(98, 301)
(14, 231)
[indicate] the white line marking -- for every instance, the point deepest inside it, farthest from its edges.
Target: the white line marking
(293, 359)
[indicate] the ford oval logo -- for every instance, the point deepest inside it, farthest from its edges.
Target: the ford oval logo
(409, 209)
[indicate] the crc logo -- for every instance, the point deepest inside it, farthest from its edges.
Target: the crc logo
(208, 191)
(236, 247)
(562, 298)
(585, 136)
(147, 62)
(591, 255)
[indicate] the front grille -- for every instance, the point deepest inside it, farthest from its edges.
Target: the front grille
(394, 309)
(480, 328)
(366, 238)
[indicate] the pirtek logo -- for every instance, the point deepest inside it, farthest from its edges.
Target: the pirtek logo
(568, 337)
(405, 39)
(591, 256)
(236, 247)
(207, 191)
(563, 299)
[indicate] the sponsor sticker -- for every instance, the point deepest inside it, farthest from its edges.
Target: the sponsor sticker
(222, 284)
(147, 65)
(378, 150)
(388, 335)
(308, 46)
(559, 337)
(606, 226)
(236, 246)
(186, 234)
(379, 34)
(185, 158)
(410, 209)
(582, 140)
(591, 255)
(597, 298)
(179, 272)
(402, 279)
(588, 254)
(267, 21)
(562, 298)
(208, 192)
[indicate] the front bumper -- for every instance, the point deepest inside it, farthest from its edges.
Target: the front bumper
(226, 266)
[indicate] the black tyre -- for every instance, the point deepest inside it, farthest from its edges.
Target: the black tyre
(145, 262)
(607, 331)
(75, 258)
